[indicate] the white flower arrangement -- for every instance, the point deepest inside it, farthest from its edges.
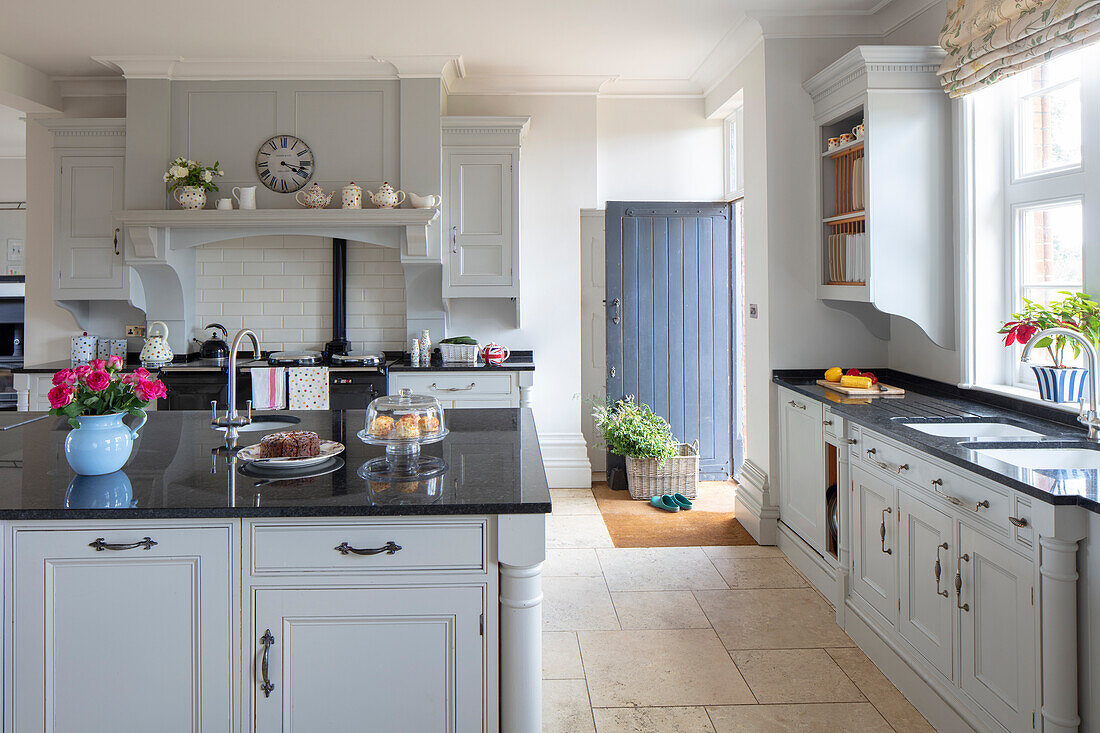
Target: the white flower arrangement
(185, 172)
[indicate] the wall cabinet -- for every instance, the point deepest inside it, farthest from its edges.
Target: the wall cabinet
(405, 659)
(802, 468)
(133, 636)
(87, 251)
(481, 157)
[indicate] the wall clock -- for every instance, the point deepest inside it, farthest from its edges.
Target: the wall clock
(284, 163)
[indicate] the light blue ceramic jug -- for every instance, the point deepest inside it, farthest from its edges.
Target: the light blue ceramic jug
(101, 444)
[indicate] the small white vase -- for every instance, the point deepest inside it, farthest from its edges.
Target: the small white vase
(190, 197)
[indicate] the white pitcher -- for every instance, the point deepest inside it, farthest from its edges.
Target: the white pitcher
(424, 202)
(246, 196)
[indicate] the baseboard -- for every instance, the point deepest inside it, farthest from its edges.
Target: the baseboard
(565, 458)
(819, 571)
(752, 505)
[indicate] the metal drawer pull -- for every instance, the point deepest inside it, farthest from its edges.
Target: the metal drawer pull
(885, 466)
(1018, 521)
(882, 530)
(452, 389)
(975, 506)
(100, 544)
(938, 569)
(959, 586)
(799, 405)
(267, 640)
(826, 422)
(389, 548)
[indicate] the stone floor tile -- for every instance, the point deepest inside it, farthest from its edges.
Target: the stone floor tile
(659, 609)
(576, 530)
(779, 618)
(573, 604)
(565, 707)
(659, 568)
(652, 720)
(794, 676)
(561, 656)
(573, 501)
(759, 572)
(837, 717)
(893, 706)
(574, 563)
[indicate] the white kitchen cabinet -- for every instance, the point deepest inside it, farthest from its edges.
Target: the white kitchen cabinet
(132, 637)
(926, 558)
(470, 389)
(32, 391)
(393, 659)
(874, 542)
(87, 251)
(802, 470)
(481, 157)
(997, 627)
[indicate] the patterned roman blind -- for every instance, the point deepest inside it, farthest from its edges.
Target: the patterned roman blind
(989, 40)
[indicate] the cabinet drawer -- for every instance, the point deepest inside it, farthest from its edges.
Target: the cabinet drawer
(453, 546)
(982, 501)
(832, 423)
(457, 386)
(888, 457)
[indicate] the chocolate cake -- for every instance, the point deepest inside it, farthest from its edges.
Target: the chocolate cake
(294, 444)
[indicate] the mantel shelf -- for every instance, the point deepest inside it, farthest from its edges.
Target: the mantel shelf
(152, 232)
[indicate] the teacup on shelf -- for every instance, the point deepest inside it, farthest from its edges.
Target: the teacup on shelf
(833, 142)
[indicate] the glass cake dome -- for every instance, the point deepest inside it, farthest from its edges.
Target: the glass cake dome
(403, 422)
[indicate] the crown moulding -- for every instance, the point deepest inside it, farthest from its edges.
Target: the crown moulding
(179, 68)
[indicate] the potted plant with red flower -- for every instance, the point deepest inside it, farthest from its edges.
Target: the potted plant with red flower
(1057, 382)
(95, 397)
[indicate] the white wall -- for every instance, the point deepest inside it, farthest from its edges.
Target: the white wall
(657, 150)
(557, 180)
(13, 179)
(281, 287)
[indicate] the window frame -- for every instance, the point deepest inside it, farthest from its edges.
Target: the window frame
(733, 153)
(991, 201)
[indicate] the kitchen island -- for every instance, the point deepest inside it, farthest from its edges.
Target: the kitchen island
(189, 591)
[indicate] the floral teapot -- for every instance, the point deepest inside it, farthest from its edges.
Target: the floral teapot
(315, 197)
(156, 352)
(386, 197)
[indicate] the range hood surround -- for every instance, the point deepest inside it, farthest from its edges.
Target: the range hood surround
(160, 247)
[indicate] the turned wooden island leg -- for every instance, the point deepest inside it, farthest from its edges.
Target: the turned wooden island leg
(521, 548)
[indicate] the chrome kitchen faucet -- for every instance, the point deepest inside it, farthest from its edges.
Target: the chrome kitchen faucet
(231, 421)
(1089, 419)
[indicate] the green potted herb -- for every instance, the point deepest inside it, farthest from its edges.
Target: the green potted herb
(1076, 312)
(656, 463)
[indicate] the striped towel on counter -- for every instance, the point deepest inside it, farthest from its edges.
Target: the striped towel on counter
(308, 388)
(269, 388)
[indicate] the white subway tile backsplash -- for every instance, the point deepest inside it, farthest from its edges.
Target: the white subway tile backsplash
(281, 286)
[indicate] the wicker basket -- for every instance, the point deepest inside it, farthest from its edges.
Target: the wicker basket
(459, 353)
(647, 477)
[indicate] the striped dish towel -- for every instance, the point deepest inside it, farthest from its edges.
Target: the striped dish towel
(269, 388)
(308, 387)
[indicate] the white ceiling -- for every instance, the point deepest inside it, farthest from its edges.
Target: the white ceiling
(13, 133)
(631, 39)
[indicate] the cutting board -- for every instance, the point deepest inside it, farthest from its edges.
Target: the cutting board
(874, 391)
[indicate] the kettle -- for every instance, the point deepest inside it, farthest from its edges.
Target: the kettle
(156, 352)
(214, 347)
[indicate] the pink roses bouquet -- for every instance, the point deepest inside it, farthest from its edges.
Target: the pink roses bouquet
(100, 388)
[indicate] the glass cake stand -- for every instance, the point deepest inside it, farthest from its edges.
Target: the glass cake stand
(402, 423)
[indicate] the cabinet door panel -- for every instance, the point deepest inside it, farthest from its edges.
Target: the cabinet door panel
(874, 574)
(924, 541)
(91, 188)
(393, 659)
(803, 469)
(481, 219)
(120, 640)
(997, 633)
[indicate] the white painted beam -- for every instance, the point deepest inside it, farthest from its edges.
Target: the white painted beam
(27, 89)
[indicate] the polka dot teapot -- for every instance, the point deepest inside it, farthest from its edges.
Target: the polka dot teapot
(386, 197)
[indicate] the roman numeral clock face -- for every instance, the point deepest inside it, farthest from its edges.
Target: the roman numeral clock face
(284, 163)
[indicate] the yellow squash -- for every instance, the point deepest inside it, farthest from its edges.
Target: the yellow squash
(857, 382)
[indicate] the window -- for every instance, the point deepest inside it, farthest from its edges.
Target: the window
(1031, 147)
(733, 146)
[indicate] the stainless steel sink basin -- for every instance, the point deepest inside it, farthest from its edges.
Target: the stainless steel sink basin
(266, 424)
(973, 430)
(1040, 457)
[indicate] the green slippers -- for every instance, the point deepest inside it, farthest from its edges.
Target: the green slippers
(664, 502)
(682, 501)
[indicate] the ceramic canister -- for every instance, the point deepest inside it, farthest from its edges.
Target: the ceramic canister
(83, 349)
(110, 347)
(352, 197)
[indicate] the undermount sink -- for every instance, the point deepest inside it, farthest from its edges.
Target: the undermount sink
(1044, 458)
(973, 430)
(266, 423)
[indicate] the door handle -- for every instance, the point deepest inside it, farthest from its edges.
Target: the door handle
(618, 306)
(116, 240)
(613, 372)
(885, 466)
(266, 685)
(959, 586)
(937, 483)
(882, 530)
(454, 240)
(799, 405)
(938, 569)
(389, 548)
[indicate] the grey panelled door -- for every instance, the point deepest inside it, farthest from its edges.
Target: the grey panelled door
(669, 324)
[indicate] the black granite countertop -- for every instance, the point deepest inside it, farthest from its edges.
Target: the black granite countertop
(518, 361)
(926, 401)
(181, 468)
